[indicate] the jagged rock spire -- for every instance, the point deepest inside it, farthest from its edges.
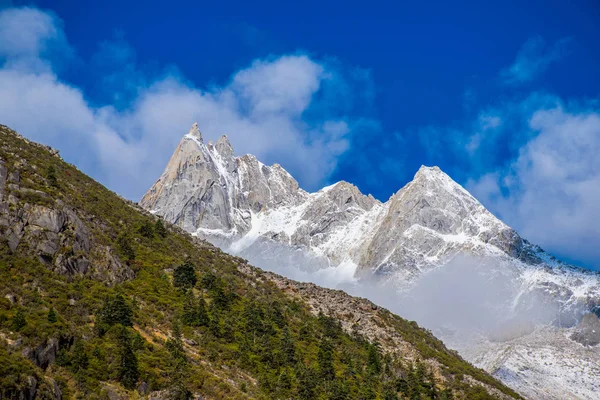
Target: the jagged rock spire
(195, 132)
(223, 147)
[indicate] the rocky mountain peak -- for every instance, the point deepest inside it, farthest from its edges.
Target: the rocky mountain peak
(195, 132)
(223, 147)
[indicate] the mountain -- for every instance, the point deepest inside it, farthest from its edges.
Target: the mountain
(342, 238)
(101, 299)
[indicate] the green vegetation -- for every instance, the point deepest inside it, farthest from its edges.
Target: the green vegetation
(159, 228)
(190, 321)
(52, 316)
(51, 176)
(184, 275)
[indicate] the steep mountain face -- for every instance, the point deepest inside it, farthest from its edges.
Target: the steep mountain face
(260, 213)
(101, 299)
(238, 201)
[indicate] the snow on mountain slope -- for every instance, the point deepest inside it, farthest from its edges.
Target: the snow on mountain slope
(339, 236)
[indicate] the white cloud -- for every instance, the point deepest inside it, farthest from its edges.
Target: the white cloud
(533, 58)
(483, 126)
(551, 192)
(263, 109)
(28, 35)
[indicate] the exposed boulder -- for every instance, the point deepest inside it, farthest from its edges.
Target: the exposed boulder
(588, 330)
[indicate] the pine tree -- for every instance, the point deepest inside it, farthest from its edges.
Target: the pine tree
(125, 247)
(175, 344)
(52, 318)
(179, 362)
(373, 360)
(128, 371)
(307, 382)
(254, 317)
(146, 229)
(159, 228)
(190, 314)
(389, 392)
(18, 320)
(114, 311)
(184, 276)
(288, 348)
(79, 358)
(325, 360)
(51, 176)
(214, 326)
(203, 318)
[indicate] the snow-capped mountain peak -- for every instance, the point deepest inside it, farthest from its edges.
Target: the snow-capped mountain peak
(261, 213)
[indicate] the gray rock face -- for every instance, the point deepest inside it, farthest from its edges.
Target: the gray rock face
(205, 186)
(53, 232)
(45, 354)
(243, 205)
(588, 330)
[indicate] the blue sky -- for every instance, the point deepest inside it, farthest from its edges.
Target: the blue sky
(503, 96)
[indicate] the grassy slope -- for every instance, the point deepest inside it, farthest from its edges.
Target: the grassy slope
(222, 362)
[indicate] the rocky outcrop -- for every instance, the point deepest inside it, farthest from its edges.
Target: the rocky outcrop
(32, 388)
(31, 222)
(588, 330)
(45, 354)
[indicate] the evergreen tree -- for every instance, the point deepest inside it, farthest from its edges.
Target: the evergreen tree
(114, 311)
(51, 176)
(146, 229)
(389, 392)
(307, 382)
(125, 247)
(331, 327)
(445, 394)
(52, 318)
(18, 320)
(325, 360)
(189, 316)
(432, 389)
(179, 362)
(288, 348)
(254, 317)
(79, 358)
(159, 228)
(209, 281)
(203, 318)
(338, 390)
(128, 372)
(373, 360)
(194, 311)
(214, 325)
(184, 276)
(284, 382)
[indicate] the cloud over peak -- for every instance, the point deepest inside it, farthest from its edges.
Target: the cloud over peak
(290, 109)
(551, 191)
